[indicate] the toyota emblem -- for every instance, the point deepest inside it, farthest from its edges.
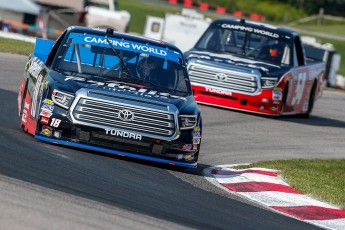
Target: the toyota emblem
(126, 115)
(221, 76)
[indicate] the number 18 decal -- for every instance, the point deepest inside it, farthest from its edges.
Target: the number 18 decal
(302, 77)
(55, 122)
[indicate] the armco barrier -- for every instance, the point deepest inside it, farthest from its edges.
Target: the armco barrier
(220, 10)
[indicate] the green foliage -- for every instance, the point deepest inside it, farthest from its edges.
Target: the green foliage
(323, 179)
(278, 13)
(15, 46)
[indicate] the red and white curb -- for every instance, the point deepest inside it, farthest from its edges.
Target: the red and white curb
(266, 187)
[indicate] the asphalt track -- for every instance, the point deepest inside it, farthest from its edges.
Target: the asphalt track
(43, 186)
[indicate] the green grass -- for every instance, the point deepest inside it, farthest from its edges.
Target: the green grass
(140, 10)
(322, 179)
(15, 46)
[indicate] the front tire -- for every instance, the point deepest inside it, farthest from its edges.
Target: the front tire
(310, 102)
(286, 90)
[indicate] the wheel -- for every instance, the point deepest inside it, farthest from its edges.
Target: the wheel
(310, 103)
(286, 90)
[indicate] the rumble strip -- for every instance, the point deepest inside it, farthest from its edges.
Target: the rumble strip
(266, 187)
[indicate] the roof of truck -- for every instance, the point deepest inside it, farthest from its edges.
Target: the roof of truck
(254, 24)
(126, 36)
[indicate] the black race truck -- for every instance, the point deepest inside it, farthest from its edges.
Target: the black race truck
(111, 92)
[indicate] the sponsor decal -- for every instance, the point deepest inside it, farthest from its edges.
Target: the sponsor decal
(218, 91)
(47, 107)
(48, 102)
(196, 129)
(196, 141)
(126, 115)
(57, 134)
(47, 131)
(44, 120)
(277, 94)
(196, 134)
(46, 113)
(126, 45)
(121, 87)
(187, 147)
(189, 157)
(195, 147)
(251, 30)
(124, 134)
(274, 108)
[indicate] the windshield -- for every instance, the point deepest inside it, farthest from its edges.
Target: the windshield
(259, 44)
(126, 61)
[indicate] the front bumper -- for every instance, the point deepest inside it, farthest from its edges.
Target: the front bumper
(116, 152)
(268, 101)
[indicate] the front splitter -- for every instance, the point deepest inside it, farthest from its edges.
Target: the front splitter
(116, 152)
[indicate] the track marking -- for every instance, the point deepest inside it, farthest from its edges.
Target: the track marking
(267, 188)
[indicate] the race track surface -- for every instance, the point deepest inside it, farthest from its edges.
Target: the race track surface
(43, 186)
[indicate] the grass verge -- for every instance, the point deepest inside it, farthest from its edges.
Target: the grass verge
(15, 46)
(322, 179)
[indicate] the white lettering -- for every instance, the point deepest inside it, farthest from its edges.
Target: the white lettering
(125, 134)
(219, 91)
(250, 29)
(266, 33)
(126, 45)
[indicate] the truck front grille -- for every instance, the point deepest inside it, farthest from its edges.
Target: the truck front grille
(112, 115)
(242, 82)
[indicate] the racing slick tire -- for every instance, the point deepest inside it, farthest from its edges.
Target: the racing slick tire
(286, 90)
(310, 102)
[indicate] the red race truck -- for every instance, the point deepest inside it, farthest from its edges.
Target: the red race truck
(254, 67)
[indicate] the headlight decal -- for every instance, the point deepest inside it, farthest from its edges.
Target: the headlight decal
(187, 121)
(62, 99)
(268, 82)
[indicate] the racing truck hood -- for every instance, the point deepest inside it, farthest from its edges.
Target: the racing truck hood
(230, 61)
(74, 83)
